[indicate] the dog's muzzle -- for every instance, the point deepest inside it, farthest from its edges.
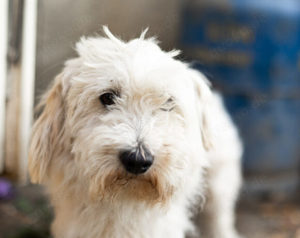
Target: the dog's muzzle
(136, 161)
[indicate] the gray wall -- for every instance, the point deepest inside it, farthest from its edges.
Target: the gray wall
(62, 22)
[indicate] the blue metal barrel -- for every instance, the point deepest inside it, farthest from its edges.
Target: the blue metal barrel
(250, 50)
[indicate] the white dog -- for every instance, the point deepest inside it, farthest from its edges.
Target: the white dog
(130, 140)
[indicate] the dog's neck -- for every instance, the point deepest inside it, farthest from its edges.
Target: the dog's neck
(76, 215)
(107, 219)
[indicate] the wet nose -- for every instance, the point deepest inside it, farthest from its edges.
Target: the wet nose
(136, 161)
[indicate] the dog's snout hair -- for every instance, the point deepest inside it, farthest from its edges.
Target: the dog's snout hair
(115, 95)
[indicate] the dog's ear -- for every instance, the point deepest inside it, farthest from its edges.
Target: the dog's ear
(204, 100)
(47, 134)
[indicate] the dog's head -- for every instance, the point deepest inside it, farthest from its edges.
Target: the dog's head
(124, 118)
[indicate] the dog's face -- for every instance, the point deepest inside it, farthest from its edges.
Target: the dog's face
(124, 118)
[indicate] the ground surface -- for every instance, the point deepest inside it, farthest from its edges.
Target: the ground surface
(28, 214)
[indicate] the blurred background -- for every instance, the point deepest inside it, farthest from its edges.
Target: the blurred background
(249, 49)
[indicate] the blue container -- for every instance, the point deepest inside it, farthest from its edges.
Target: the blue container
(246, 48)
(271, 131)
(250, 50)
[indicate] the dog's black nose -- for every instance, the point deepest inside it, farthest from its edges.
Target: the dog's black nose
(136, 161)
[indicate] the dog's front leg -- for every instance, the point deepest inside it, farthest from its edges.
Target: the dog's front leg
(217, 220)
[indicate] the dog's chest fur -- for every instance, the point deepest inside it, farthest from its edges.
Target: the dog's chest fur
(107, 221)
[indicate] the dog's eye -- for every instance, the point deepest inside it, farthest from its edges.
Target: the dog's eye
(168, 105)
(107, 99)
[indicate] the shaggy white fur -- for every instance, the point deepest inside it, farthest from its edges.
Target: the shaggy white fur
(119, 96)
